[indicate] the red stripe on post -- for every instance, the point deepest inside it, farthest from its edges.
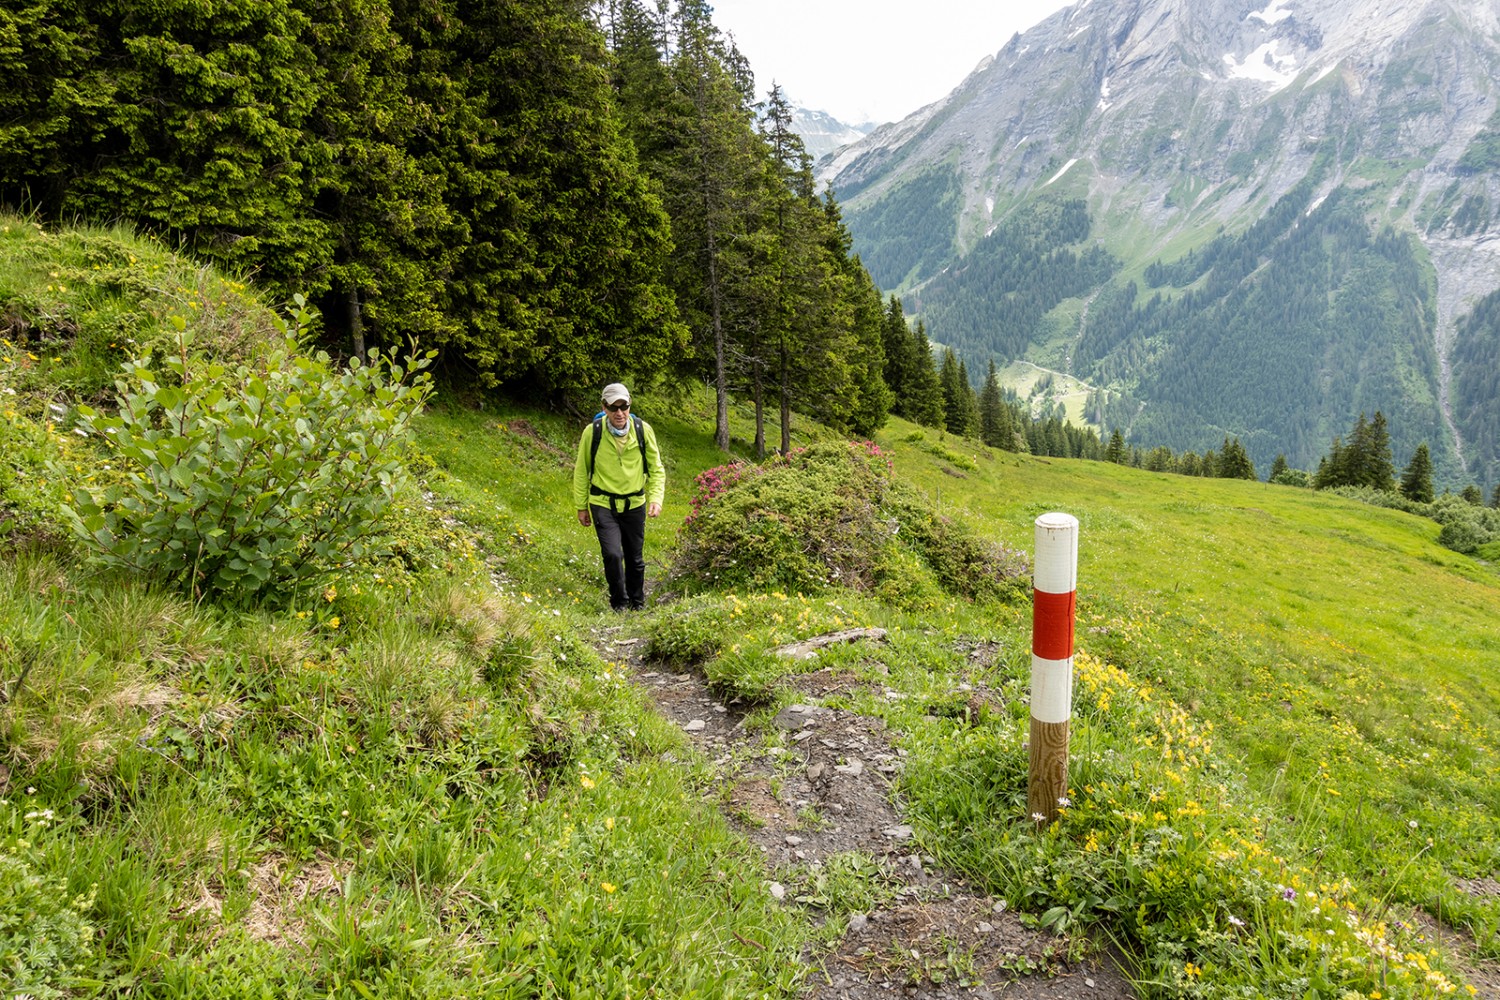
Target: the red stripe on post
(1052, 624)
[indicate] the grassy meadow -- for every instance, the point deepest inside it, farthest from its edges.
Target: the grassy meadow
(419, 778)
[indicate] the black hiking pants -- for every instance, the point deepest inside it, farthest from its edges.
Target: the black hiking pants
(622, 539)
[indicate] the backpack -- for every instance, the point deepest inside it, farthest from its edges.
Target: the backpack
(640, 440)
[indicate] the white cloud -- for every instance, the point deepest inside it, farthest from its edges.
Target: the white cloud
(872, 60)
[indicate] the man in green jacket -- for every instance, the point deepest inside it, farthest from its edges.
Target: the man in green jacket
(618, 481)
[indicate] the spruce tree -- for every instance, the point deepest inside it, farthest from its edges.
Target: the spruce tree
(1278, 466)
(1416, 481)
(1116, 451)
(925, 395)
(900, 358)
(953, 417)
(1234, 461)
(969, 401)
(872, 396)
(1495, 497)
(1333, 468)
(566, 240)
(1472, 495)
(695, 128)
(1379, 469)
(995, 425)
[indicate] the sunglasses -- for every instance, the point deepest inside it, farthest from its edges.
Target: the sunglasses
(618, 407)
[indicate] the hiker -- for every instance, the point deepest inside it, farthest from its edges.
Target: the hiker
(618, 482)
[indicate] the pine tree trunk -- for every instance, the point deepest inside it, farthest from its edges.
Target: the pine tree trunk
(760, 413)
(721, 376)
(356, 322)
(786, 400)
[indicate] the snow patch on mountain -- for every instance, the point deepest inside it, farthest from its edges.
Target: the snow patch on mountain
(1065, 168)
(822, 133)
(1274, 14)
(1265, 65)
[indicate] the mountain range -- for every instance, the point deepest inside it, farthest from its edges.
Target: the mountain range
(823, 134)
(1229, 218)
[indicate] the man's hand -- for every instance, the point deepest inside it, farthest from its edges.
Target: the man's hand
(583, 518)
(653, 509)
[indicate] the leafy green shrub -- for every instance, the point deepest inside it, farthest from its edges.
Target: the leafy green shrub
(964, 564)
(1292, 477)
(831, 516)
(246, 481)
(1389, 499)
(1463, 535)
(1465, 527)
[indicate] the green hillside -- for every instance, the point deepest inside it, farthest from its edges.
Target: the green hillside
(411, 770)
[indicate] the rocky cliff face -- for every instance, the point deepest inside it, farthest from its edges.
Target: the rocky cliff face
(1178, 120)
(823, 134)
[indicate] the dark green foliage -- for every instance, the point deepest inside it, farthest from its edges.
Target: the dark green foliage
(1495, 498)
(997, 423)
(832, 516)
(762, 267)
(900, 355)
(1233, 462)
(184, 118)
(909, 232)
(1364, 462)
(1116, 451)
(1476, 387)
(1472, 495)
(923, 402)
(559, 274)
(1277, 467)
(1416, 481)
(993, 305)
(454, 171)
(960, 407)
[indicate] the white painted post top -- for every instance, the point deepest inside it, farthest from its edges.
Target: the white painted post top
(1056, 569)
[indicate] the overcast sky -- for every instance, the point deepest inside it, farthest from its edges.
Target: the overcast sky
(871, 59)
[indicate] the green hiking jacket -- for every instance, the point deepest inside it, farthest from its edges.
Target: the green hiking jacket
(617, 468)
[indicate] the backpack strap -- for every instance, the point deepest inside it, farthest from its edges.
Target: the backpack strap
(594, 451)
(640, 440)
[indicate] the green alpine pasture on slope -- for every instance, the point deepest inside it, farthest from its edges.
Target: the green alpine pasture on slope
(1341, 660)
(1348, 660)
(418, 779)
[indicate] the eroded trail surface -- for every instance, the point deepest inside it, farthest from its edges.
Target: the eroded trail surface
(820, 789)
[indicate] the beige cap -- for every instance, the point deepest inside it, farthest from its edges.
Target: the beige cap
(614, 392)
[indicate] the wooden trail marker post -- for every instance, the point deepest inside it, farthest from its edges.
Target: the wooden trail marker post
(1054, 600)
